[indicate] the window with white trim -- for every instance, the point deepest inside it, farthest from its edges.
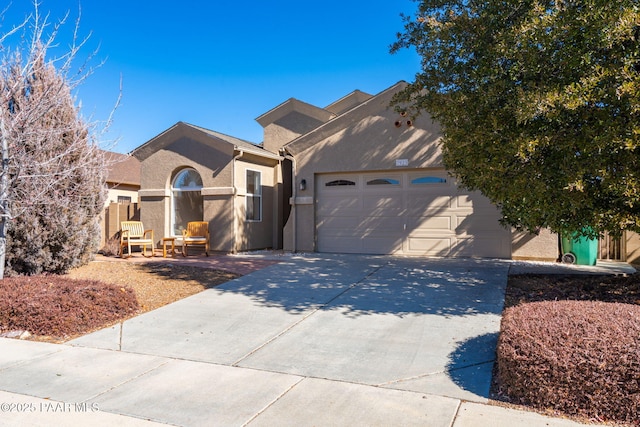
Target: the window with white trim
(253, 196)
(186, 200)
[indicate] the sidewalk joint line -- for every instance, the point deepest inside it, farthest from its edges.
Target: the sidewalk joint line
(416, 377)
(455, 414)
(274, 401)
(128, 380)
(120, 341)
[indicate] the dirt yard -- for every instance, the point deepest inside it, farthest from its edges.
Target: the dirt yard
(155, 284)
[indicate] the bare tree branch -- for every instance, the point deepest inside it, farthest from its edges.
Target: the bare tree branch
(52, 177)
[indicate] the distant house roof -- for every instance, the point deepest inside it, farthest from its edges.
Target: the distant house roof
(122, 169)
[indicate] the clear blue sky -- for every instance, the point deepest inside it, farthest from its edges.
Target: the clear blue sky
(220, 65)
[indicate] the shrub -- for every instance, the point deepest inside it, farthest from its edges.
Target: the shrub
(57, 187)
(111, 247)
(59, 307)
(578, 357)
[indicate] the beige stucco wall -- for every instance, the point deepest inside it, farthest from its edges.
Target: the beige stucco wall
(274, 134)
(255, 234)
(543, 246)
(213, 162)
(122, 190)
(375, 143)
(288, 121)
(223, 173)
(632, 244)
(218, 210)
(369, 141)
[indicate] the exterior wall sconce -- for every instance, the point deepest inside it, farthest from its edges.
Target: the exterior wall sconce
(303, 185)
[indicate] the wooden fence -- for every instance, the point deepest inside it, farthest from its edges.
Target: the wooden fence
(610, 248)
(114, 214)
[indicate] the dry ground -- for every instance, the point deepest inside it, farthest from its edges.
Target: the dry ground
(530, 288)
(155, 284)
(158, 284)
(56, 309)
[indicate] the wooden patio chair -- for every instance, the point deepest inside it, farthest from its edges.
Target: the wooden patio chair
(196, 234)
(132, 233)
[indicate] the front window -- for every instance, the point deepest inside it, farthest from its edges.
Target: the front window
(186, 193)
(254, 196)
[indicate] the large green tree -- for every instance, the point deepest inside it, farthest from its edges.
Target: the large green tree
(539, 102)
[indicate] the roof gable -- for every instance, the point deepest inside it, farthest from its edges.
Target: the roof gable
(347, 118)
(293, 105)
(346, 103)
(201, 134)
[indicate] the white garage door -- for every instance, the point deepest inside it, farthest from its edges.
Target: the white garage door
(411, 212)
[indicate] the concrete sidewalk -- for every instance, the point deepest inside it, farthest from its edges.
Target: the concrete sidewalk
(311, 340)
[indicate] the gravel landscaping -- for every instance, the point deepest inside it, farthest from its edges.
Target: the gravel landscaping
(99, 294)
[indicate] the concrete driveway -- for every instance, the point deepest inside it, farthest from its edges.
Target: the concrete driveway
(312, 340)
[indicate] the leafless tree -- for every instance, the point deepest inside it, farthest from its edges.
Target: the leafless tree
(52, 179)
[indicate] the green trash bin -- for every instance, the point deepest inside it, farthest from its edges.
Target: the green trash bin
(581, 251)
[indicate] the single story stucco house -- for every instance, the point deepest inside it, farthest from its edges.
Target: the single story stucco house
(353, 177)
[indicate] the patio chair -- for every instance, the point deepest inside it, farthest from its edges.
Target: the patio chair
(196, 234)
(132, 233)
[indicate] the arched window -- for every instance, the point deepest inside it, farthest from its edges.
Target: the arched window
(186, 195)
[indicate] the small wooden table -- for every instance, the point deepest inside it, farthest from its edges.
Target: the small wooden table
(165, 241)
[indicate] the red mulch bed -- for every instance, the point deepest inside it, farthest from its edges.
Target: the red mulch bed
(57, 306)
(570, 345)
(547, 287)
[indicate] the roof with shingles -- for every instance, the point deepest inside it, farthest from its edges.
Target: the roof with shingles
(122, 169)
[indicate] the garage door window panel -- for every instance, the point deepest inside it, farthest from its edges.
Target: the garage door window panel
(384, 181)
(340, 183)
(428, 180)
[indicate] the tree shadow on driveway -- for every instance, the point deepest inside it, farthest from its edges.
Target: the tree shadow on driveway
(471, 364)
(359, 285)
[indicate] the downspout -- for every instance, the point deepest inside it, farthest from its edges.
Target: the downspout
(235, 191)
(233, 165)
(293, 199)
